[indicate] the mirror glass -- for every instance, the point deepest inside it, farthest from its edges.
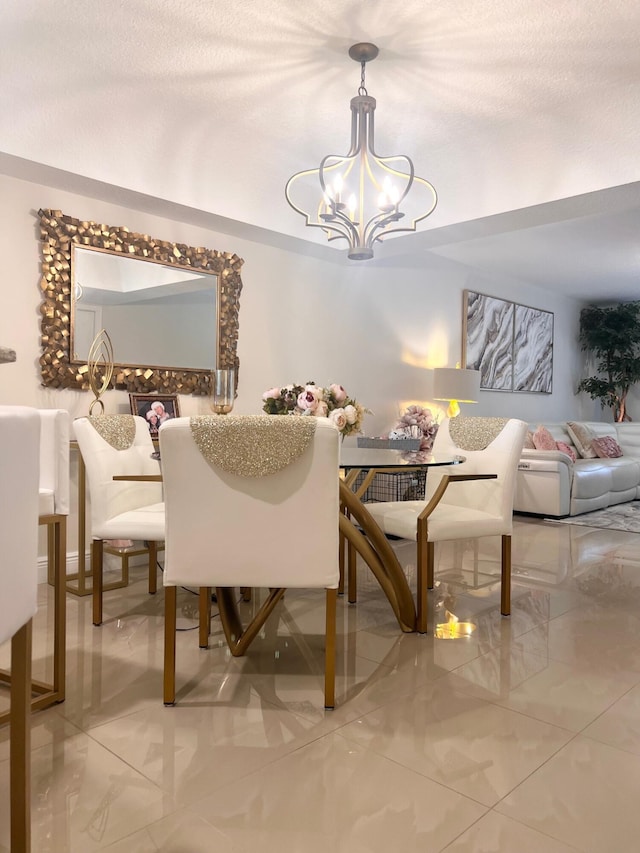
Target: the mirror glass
(154, 314)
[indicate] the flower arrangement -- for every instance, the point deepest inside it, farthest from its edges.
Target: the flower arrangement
(332, 402)
(417, 422)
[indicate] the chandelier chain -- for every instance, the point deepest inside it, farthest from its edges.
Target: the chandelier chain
(362, 89)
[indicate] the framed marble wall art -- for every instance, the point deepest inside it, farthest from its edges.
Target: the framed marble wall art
(510, 344)
(533, 350)
(488, 339)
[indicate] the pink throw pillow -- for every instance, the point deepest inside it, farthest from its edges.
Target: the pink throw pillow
(563, 447)
(543, 440)
(606, 447)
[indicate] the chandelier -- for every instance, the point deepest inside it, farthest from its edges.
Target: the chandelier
(361, 193)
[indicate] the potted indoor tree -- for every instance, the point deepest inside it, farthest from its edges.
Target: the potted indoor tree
(611, 335)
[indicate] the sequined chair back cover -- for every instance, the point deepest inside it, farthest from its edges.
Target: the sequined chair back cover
(225, 530)
(19, 467)
(120, 509)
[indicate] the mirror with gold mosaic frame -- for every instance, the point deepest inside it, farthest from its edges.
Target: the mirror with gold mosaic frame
(176, 315)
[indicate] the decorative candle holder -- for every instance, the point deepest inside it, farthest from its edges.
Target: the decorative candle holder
(223, 390)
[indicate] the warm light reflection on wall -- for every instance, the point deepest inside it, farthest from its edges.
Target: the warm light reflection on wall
(430, 353)
(426, 355)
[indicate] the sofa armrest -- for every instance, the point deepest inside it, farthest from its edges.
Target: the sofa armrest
(544, 460)
(543, 483)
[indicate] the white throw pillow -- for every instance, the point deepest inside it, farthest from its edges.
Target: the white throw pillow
(582, 436)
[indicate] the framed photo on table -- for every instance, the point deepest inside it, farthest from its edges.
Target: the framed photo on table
(155, 409)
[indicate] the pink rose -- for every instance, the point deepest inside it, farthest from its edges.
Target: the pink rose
(271, 394)
(308, 399)
(322, 410)
(340, 395)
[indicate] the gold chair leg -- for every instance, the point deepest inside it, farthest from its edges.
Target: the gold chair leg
(505, 586)
(153, 567)
(59, 541)
(330, 650)
(51, 566)
(246, 593)
(97, 553)
(431, 566)
(341, 563)
(20, 743)
(170, 605)
(204, 616)
(424, 570)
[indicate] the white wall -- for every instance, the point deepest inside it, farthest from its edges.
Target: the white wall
(371, 329)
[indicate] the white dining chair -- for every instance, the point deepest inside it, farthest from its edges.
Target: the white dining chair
(120, 445)
(19, 464)
(468, 501)
(250, 502)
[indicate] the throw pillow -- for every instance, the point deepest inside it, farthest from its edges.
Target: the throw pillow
(528, 441)
(582, 436)
(606, 447)
(542, 439)
(563, 447)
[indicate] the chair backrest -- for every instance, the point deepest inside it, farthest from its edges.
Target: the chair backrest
(225, 529)
(103, 460)
(19, 472)
(504, 441)
(54, 457)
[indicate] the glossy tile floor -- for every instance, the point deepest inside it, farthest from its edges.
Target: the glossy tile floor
(521, 738)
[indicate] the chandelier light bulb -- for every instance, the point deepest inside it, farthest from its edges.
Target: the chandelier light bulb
(387, 188)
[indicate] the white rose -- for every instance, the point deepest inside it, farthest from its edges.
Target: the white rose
(339, 418)
(350, 414)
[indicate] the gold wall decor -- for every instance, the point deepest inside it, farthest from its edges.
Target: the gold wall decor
(100, 368)
(58, 234)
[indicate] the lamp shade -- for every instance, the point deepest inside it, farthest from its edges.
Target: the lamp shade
(456, 383)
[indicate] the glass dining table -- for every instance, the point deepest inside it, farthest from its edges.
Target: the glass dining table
(362, 532)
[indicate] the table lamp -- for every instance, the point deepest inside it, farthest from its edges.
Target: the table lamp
(457, 385)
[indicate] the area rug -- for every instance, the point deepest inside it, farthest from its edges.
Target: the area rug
(619, 517)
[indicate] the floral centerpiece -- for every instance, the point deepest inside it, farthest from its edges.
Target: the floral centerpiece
(332, 402)
(417, 422)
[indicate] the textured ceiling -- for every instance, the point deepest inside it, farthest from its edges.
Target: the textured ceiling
(504, 105)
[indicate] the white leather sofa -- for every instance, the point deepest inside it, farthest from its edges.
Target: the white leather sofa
(551, 485)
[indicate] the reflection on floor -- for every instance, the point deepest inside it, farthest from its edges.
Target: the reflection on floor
(523, 736)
